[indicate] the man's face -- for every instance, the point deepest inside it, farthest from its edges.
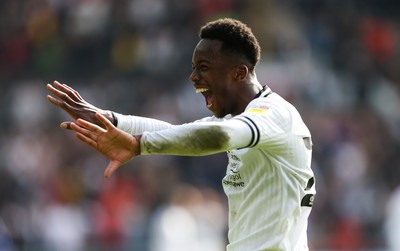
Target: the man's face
(212, 75)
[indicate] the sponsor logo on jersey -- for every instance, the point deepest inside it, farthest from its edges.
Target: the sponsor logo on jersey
(233, 177)
(259, 110)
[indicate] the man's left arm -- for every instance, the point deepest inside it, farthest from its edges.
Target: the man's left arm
(193, 139)
(197, 139)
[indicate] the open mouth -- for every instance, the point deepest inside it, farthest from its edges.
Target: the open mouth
(207, 95)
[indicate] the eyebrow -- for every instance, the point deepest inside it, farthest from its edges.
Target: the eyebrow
(201, 61)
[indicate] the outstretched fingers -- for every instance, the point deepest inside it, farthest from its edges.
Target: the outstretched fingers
(63, 98)
(88, 140)
(87, 127)
(76, 96)
(111, 168)
(87, 132)
(69, 91)
(63, 87)
(107, 123)
(100, 139)
(56, 93)
(64, 92)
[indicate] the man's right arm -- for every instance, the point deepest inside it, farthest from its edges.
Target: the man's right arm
(68, 99)
(137, 125)
(71, 102)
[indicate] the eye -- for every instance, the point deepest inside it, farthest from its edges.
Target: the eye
(203, 67)
(200, 67)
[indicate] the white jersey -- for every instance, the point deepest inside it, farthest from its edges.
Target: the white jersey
(269, 182)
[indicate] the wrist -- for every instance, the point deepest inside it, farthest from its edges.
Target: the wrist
(137, 148)
(114, 120)
(111, 117)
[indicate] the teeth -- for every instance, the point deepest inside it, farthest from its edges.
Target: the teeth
(199, 90)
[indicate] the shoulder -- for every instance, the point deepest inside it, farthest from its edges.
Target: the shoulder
(271, 106)
(213, 119)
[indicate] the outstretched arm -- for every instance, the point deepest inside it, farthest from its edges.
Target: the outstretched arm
(70, 101)
(194, 139)
(110, 141)
(198, 138)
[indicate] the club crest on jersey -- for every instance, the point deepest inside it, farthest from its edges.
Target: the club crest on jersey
(259, 110)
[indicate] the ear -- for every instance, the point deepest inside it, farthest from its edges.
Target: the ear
(241, 72)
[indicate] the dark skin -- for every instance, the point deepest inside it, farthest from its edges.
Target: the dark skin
(71, 101)
(226, 77)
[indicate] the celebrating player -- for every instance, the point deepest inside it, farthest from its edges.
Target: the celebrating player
(269, 182)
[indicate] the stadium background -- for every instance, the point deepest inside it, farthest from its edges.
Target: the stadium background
(337, 61)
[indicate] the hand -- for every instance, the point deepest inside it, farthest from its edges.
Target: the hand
(112, 142)
(71, 101)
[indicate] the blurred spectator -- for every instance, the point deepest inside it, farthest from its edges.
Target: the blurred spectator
(379, 39)
(190, 218)
(64, 227)
(337, 61)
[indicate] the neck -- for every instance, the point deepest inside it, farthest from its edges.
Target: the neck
(255, 87)
(247, 93)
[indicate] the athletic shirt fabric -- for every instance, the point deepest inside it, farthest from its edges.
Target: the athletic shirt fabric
(269, 182)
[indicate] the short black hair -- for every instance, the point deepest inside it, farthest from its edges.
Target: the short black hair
(235, 36)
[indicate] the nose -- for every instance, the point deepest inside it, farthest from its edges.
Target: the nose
(194, 76)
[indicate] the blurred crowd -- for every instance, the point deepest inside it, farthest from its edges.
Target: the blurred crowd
(336, 61)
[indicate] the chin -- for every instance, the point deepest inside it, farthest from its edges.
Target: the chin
(219, 115)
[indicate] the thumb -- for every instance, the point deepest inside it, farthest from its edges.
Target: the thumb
(66, 125)
(112, 166)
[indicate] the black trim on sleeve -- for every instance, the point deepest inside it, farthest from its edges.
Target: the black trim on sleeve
(257, 137)
(115, 120)
(252, 131)
(255, 132)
